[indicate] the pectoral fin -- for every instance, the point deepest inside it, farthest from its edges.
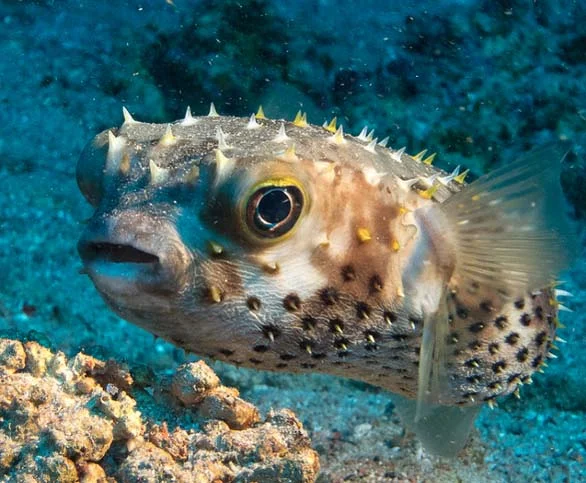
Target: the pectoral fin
(432, 377)
(509, 228)
(442, 430)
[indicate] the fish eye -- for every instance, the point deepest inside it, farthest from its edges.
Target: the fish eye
(273, 210)
(90, 169)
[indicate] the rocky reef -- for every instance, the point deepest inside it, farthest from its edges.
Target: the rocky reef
(80, 419)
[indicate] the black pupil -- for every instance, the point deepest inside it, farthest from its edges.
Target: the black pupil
(274, 207)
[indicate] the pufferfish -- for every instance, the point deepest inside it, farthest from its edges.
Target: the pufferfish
(285, 246)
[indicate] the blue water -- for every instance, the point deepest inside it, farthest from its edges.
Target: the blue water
(478, 82)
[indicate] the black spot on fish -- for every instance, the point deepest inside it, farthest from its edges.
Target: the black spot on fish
(362, 310)
(329, 295)
(306, 365)
(501, 322)
(493, 386)
(341, 343)
(348, 273)
(336, 326)
(525, 319)
(474, 379)
(536, 362)
(372, 333)
(476, 327)
(253, 303)
(472, 363)
(375, 284)
(520, 304)
(539, 312)
(493, 348)
(255, 361)
(486, 306)
(308, 322)
(522, 354)
(306, 344)
(319, 355)
(475, 345)
(292, 302)
(499, 367)
(514, 378)
(512, 338)
(226, 352)
(540, 338)
(260, 348)
(287, 357)
(271, 331)
(462, 312)
(390, 317)
(281, 365)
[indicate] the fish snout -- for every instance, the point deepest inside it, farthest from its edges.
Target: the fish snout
(129, 252)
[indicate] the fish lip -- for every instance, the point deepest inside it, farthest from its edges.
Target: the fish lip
(121, 266)
(134, 256)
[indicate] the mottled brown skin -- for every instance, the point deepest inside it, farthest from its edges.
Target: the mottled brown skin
(320, 300)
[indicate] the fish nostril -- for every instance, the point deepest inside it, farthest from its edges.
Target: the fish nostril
(116, 253)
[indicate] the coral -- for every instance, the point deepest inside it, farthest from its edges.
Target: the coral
(76, 419)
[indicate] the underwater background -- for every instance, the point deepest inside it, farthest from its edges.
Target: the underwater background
(478, 82)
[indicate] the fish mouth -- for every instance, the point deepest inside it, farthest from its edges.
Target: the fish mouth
(134, 258)
(124, 269)
(115, 253)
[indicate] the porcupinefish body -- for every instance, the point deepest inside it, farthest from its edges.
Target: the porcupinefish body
(289, 247)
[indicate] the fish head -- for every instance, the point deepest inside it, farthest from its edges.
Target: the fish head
(218, 238)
